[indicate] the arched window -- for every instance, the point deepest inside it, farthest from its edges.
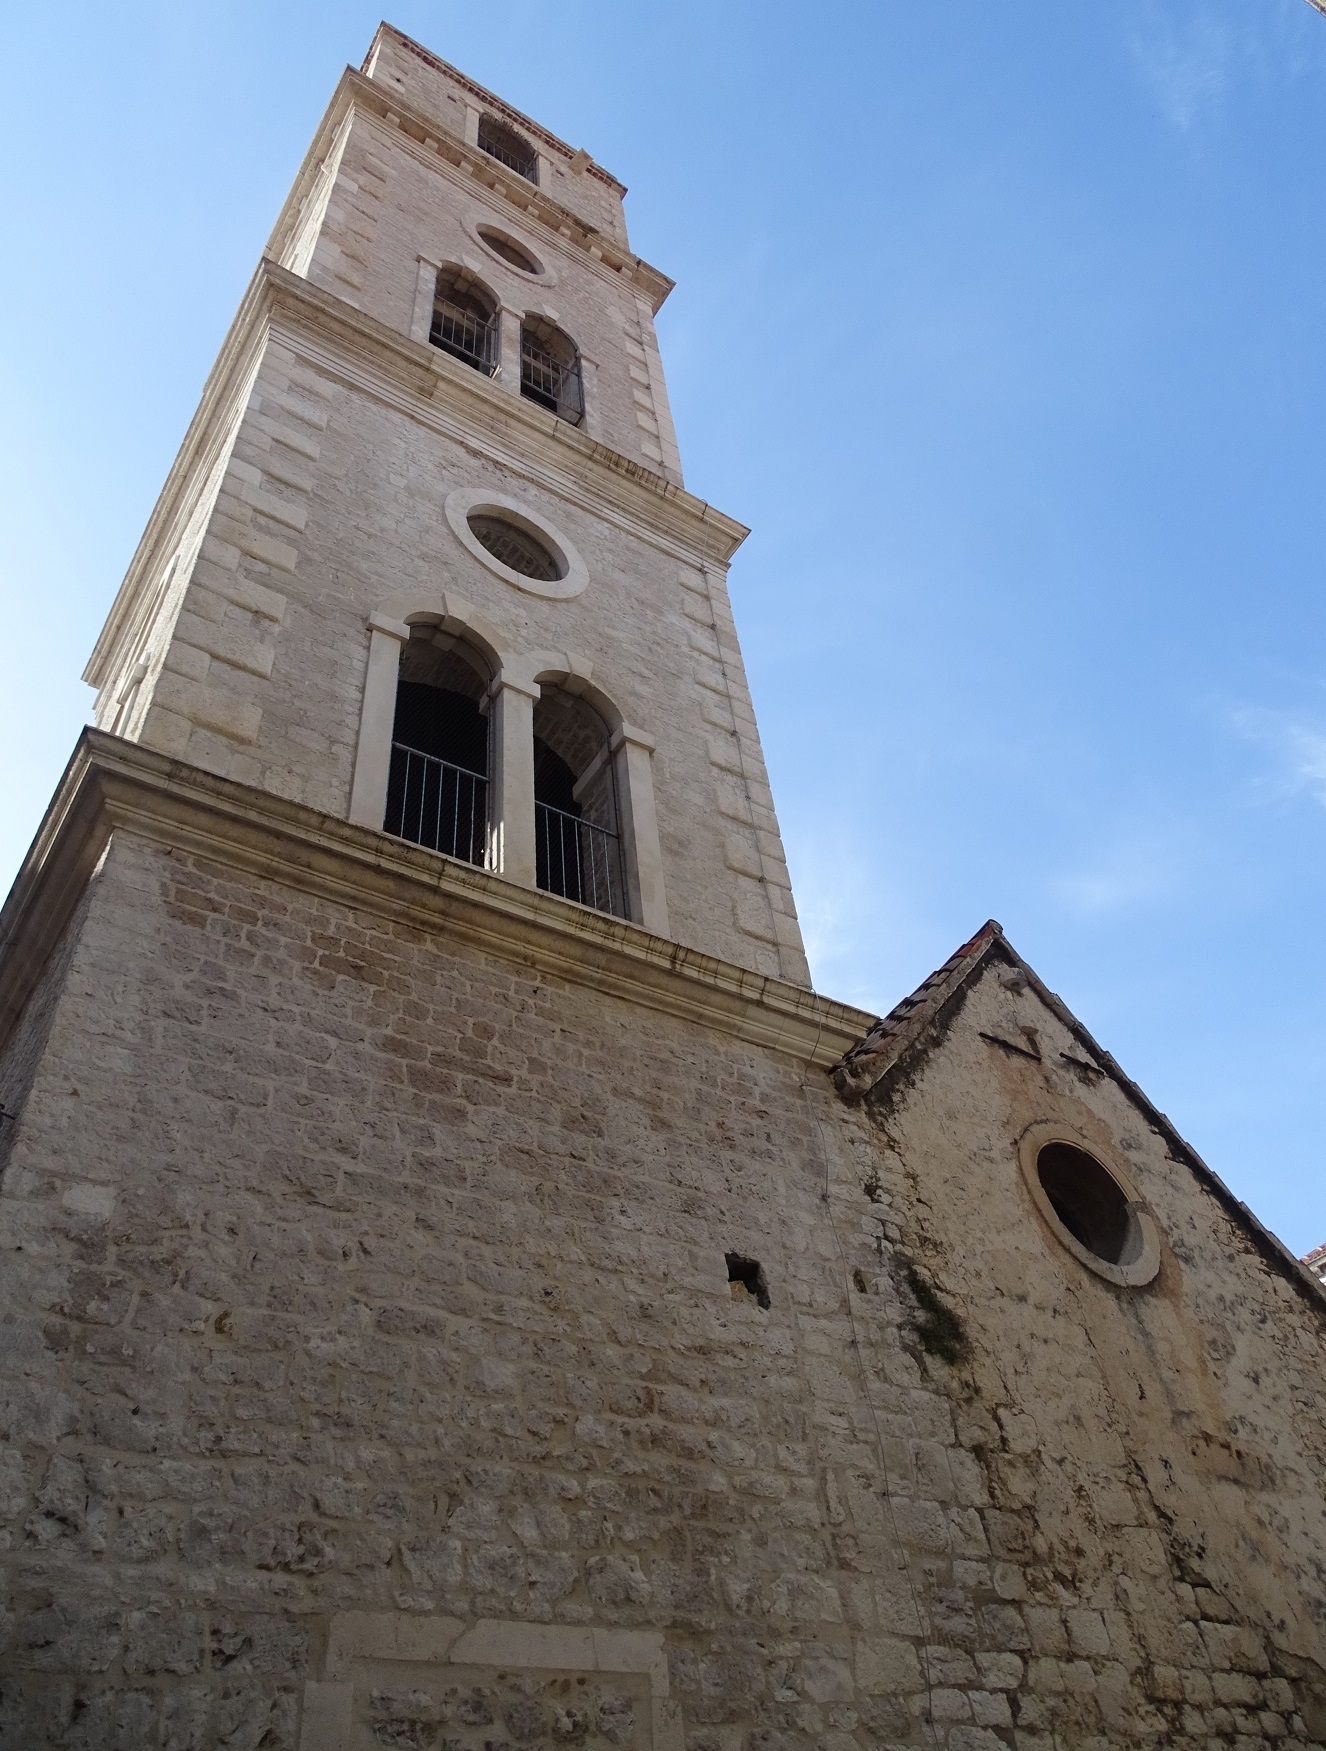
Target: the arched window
(506, 145)
(465, 320)
(550, 369)
(576, 838)
(437, 791)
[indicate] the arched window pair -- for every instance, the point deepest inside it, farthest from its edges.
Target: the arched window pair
(439, 783)
(513, 761)
(467, 324)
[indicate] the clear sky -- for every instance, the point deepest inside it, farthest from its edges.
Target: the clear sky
(1000, 325)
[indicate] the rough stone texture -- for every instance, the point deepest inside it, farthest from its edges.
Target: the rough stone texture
(433, 87)
(370, 1373)
(317, 495)
(351, 1270)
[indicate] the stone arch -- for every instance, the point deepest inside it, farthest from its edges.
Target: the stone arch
(515, 682)
(464, 319)
(623, 782)
(391, 627)
(550, 369)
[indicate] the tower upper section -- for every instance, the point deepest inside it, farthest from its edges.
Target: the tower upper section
(535, 229)
(564, 175)
(425, 561)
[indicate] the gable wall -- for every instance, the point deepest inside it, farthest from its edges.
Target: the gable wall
(1154, 1455)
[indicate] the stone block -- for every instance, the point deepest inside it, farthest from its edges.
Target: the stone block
(1233, 1648)
(157, 1641)
(886, 1665)
(69, 1638)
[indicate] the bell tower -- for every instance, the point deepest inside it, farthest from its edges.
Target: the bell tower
(460, 1289)
(426, 562)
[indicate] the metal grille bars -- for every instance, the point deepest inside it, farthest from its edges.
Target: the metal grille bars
(433, 803)
(515, 547)
(554, 383)
(508, 148)
(578, 860)
(465, 334)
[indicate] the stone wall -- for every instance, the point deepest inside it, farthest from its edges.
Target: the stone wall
(1152, 1457)
(371, 1361)
(333, 503)
(442, 94)
(389, 205)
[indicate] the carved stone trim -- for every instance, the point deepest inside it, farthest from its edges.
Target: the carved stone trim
(112, 785)
(364, 1647)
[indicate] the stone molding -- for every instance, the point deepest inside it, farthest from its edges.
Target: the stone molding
(367, 1638)
(421, 382)
(545, 276)
(465, 501)
(111, 785)
(1139, 1271)
(521, 674)
(498, 106)
(431, 144)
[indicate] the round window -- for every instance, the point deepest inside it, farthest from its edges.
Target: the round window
(1089, 1201)
(1093, 1210)
(516, 543)
(515, 547)
(511, 252)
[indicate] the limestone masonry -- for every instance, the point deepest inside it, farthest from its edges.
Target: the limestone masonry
(463, 1290)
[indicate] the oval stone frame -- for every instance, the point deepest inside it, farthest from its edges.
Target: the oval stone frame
(544, 275)
(1144, 1264)
(465, 501)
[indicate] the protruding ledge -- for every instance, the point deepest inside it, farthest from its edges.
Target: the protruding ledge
(111, 785)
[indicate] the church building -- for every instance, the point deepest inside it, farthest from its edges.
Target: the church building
(463, 1289)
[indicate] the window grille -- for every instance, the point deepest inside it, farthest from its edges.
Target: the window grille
(508, 148)
(552, 381)
(433, 803)
(515, 547)
(465, 333)
(577, 859)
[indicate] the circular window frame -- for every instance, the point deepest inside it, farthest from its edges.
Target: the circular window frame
(1145, 1266)
(462, 504)
(543, 277)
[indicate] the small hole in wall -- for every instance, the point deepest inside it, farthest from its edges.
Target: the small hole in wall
(747, 1279)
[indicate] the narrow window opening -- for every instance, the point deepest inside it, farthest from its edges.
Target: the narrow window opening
(506, 145)
(437, 790)
(576, 840)
(1090, 1203)
(465, 319)
(550, 370)
(747, 1279)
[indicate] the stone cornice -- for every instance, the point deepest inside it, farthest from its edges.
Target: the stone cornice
(497, 105)
(428, 385)
(431, 144)
(114, 786)
(425, 384)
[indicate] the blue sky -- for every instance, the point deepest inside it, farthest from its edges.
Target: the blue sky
(1000, 326)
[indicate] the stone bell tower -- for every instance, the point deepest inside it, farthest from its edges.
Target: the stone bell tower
(437, 446)
(460, 1289)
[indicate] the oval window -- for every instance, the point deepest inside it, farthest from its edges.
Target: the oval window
(1096, 1212)
(1090, 1203)
(510, 251)
(515, 547)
